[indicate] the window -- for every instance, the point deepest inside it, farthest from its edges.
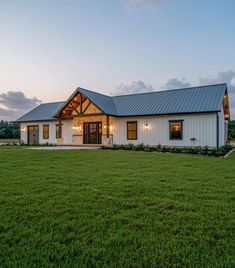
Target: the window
(59, 131)
(45, 132)
(176, 130)
(132, 130)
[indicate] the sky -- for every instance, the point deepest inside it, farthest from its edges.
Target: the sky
(50, 47)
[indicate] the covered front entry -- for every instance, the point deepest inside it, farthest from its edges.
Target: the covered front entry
(33, 134)
(92, 132)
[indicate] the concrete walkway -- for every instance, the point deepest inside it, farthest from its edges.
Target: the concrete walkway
(64, 148)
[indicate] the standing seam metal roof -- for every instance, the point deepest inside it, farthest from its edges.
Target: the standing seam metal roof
(200, 99)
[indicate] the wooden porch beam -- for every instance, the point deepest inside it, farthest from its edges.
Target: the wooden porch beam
(86, 107)
(87, 115)
(80, 103)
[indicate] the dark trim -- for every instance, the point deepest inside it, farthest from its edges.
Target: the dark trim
(86, 135)
(85, 115)
(186, 113)
(44, 120)
(182, 129)
(128, 122)
(46, 125)
(59, 125)
(172, 121)
(107, 126)
(28, 132)
(217, 130)
(87, 107)
(80, 103)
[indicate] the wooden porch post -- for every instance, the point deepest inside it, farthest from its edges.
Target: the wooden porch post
(80, 103)
(107, 126)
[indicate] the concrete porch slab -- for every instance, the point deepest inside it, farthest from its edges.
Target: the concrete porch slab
(64, 148)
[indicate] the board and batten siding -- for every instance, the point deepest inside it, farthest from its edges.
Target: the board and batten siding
(66, 131)
(203, 127)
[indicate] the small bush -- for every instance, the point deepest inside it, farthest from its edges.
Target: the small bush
(139, 147)
(159, 147)
(147, 148)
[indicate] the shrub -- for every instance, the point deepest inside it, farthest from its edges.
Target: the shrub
(139, 147)
(147, 148)
(159, 148)
(220, 152)
(227, 147)
(129, 146)
(164, 149)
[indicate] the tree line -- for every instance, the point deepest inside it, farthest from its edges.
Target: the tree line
(9, 130)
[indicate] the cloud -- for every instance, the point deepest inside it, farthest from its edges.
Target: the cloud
(222, 77)
(130, 4)
(176, 83)
(15, 103)
(131, 88)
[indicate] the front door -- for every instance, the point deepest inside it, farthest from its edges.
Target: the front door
(92, 133)
(33, 134)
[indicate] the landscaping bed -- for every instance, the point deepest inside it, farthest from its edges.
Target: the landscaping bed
(222, 151)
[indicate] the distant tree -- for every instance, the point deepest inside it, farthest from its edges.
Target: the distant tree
(9, 130)
(231, 129)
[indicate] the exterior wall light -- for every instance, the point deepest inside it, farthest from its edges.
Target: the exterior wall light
(23, 129)
(105, 126)
(146, 126)
(77, 127)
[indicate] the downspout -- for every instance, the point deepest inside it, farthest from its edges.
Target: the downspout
(217, 130)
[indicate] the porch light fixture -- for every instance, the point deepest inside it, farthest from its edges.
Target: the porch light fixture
(78, 127)
(23, 129)
(105, 126)
(146, 126)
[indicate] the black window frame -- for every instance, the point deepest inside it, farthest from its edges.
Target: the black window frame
(127, 124)
(176, 121)
(58, 132)
(43, 132)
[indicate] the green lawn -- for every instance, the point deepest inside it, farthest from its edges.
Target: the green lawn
(115, 209)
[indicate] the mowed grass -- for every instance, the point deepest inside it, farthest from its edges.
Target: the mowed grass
(115, 209)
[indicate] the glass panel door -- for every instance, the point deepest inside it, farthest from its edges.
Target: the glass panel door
(92, 133)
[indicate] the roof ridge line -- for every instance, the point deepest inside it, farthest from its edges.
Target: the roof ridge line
(50, 102)
(93, 92)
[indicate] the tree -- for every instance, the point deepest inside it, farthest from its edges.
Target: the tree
(231, 129)
(9, 130)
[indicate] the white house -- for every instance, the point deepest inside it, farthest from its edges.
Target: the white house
(195, 116)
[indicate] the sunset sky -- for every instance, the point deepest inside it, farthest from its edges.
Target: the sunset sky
(49, 47)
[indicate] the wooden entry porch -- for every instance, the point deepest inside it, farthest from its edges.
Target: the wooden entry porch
(91, 126)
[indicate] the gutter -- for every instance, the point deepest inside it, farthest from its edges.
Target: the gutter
(217, 130)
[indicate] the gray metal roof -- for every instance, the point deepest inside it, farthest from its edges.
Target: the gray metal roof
(42, 112)
(201, 99)
(186, 100)
(103, 102)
